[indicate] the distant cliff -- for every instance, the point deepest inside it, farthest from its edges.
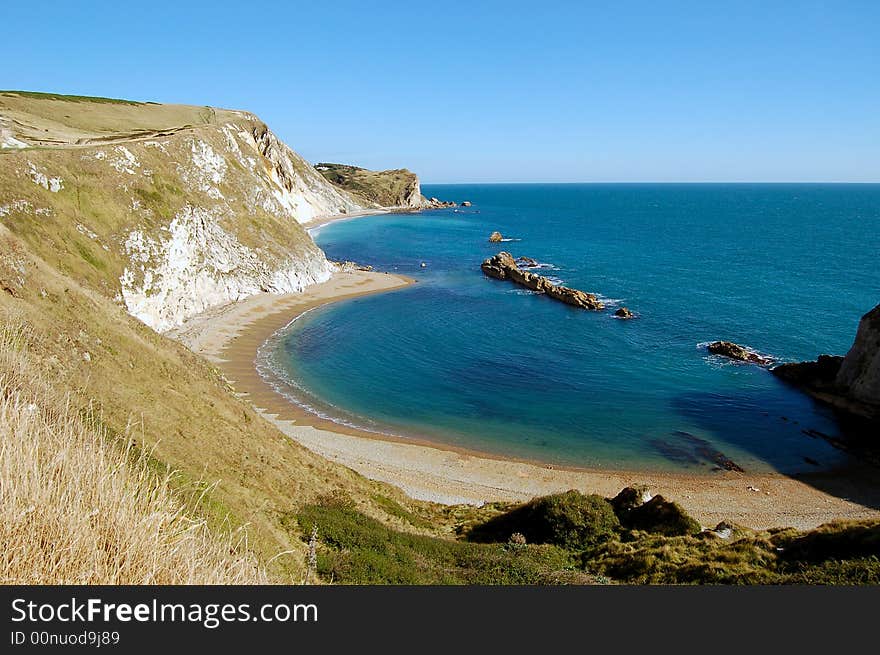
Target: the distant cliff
(393, 188)
(170, 209)
(851, 383)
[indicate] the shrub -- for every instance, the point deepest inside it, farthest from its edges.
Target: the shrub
(660, 516)
(569, 520)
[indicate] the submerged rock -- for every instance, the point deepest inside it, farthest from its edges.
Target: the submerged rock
(495, 237)
(739, 353)
(503, 267)
(623, 312)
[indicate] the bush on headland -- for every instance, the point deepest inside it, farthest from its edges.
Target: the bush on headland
(570, 520)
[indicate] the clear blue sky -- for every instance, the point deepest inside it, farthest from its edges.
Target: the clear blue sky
(495, 91)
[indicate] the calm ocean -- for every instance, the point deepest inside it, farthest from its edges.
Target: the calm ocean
(787, 269)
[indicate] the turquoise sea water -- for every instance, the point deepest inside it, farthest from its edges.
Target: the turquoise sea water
(482, 364)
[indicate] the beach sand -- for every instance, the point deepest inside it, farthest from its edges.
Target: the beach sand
(229, 336)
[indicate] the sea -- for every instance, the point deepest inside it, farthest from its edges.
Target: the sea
(482, 365)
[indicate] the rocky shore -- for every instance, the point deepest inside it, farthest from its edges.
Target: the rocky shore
(850, 383)
(504, 267)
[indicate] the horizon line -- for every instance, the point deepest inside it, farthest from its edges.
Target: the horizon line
(666, 182)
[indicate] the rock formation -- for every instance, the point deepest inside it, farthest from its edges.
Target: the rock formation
(623, 312)
(850, 383)
(525, 262)
(503, 267)
(435, 203)
(495, 237)
(739, 353)
(466, 203)
(860, 370)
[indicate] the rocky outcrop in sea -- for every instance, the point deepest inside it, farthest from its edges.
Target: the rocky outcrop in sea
(503, 267)
(738, 353)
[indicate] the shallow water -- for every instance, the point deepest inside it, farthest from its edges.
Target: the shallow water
(482, 364)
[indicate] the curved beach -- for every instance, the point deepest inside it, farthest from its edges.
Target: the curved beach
(230, 336)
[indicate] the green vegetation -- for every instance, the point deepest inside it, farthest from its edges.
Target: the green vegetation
(393, 508)
(68, 98)
(573, 538)
(357, 549)
(570, 520)
(661, 516)
(86, 253)
(821, 556)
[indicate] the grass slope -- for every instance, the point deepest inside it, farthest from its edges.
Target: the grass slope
(79, 508)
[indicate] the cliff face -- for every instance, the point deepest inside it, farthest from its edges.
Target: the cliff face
(392, 188)
(860, 370)
(168, 209)
(850, 383)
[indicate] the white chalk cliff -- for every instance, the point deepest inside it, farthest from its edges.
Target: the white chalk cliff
(191, 208)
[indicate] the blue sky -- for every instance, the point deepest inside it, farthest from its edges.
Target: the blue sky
(495, 91)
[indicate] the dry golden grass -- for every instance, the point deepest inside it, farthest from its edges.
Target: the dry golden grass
(75, 508)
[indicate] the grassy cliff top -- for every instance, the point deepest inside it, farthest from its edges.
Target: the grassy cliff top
(51, 119)
(397, 187)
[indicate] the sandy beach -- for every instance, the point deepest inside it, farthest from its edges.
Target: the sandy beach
(230, 336)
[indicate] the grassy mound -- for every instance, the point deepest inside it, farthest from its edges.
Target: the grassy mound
(570, 520)
(660, 516)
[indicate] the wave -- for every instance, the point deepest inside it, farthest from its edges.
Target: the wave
(539, 266)
(609, 302)
(507, 239)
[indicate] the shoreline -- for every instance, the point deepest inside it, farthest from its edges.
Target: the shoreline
(230, 336)
(321, 221)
